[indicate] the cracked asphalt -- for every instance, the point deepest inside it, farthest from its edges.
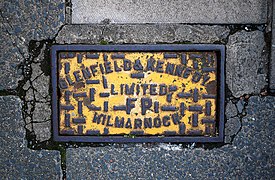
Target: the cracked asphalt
(28, 29)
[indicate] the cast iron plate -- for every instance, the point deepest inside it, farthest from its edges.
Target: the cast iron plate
(138, 93)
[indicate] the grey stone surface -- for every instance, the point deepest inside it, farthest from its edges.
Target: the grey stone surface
(230, 110)
(177, 11)
(232, 127)
(20, 22)
(42, 130)
(16, 160)
(246, 63)
(272, 60)
(250, 156)
(152, 34)
(42, 112)
(240, 105)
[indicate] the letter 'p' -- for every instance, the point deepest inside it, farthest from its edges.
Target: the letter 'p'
(146, 103)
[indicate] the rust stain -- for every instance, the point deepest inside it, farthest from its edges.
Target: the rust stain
(211, 87)
(79, 85)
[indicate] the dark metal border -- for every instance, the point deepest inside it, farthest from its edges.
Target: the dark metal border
(163, 47)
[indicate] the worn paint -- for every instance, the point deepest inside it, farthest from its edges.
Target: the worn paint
(196, 65)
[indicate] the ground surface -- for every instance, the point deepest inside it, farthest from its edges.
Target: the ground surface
(28, 29)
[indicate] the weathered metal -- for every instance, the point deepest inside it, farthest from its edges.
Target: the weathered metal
(138, 93)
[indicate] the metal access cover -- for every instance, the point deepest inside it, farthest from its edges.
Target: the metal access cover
(138, 93)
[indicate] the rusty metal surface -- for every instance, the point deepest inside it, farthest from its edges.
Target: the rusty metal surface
(138, 93)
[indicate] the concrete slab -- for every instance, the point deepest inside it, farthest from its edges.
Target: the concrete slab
(37, 99)
(246, 63)
(177, 11)
(142, 34)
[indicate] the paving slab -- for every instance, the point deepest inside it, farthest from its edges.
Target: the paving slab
(251, 155)
(17, 161)
(21, 22)
(177, 11)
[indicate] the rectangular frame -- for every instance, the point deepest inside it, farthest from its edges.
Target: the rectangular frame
(131, 48)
